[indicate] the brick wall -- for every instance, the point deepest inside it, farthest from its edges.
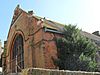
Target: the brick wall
(50, 50)
(21, 26)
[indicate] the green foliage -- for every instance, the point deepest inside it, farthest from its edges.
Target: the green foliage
(5, 50)
(75, 52)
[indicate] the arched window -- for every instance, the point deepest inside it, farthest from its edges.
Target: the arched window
(18, 54)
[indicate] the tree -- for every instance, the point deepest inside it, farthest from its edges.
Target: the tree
(75, 52)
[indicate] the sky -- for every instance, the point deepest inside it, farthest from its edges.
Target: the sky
(83, 13)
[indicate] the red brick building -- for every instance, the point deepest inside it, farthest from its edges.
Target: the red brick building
(30, 42)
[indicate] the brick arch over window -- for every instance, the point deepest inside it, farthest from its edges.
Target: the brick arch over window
(17, 54)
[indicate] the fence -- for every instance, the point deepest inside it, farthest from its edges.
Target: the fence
(40, 71)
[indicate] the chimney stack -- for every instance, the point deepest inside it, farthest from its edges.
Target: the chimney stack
(30, 12)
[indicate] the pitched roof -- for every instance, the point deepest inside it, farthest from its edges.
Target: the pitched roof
(94, 38)
(46, 22)
(58, 26)
(50, 23)
(90, 36)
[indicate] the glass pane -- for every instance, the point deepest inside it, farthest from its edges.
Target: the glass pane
(18, 54)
